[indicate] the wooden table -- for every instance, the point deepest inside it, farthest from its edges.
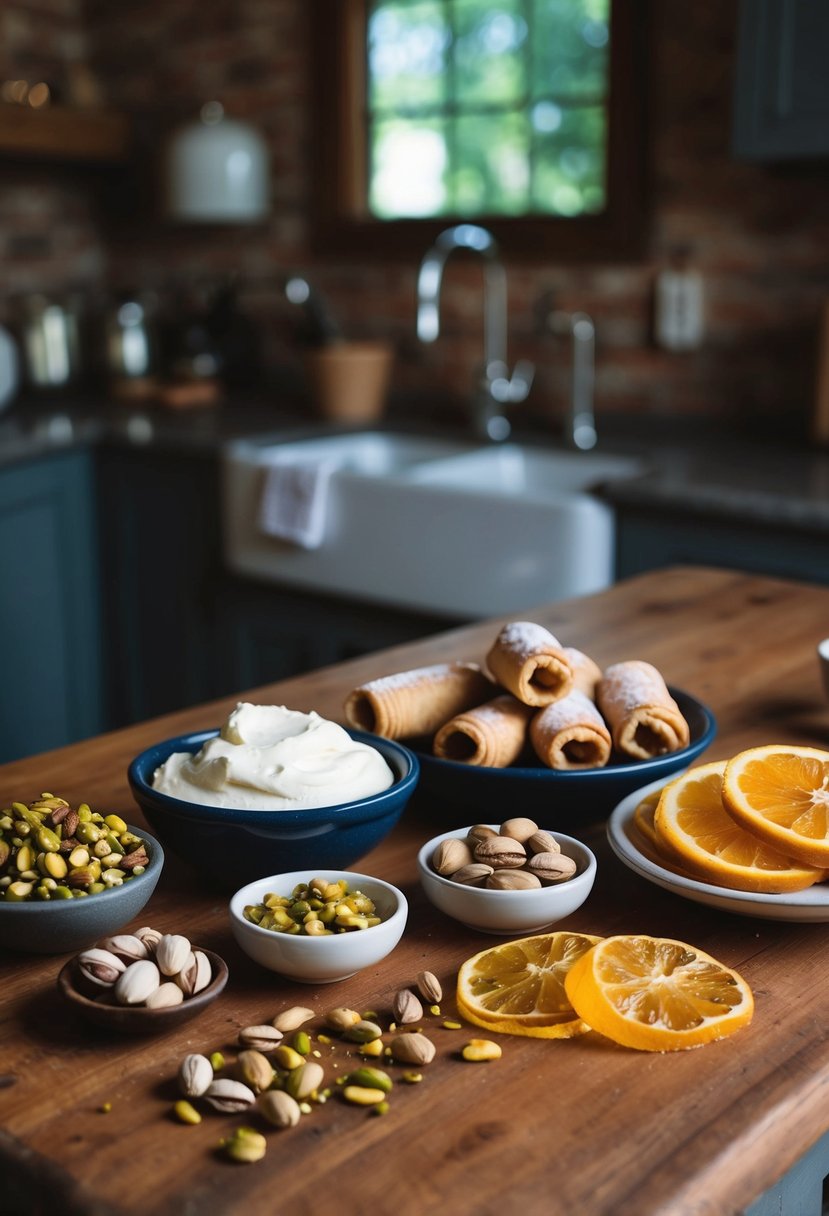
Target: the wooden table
(576, 1127)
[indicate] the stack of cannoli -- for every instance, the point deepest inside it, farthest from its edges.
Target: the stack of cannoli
(538, 699)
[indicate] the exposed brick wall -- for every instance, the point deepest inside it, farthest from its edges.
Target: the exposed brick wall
(759, 235)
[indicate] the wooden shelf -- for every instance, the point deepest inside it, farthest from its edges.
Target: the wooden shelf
(62, 133)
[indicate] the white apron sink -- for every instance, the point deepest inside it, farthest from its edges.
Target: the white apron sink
(433, 525)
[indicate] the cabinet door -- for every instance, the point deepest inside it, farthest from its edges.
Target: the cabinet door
(161, 560)
(49, 613)
(644, 543)
(781, 109)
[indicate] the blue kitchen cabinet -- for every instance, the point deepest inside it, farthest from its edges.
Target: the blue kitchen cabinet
(781, 97)
(50, 624)
(647, 540)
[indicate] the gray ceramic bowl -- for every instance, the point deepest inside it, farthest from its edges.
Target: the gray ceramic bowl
(62, 925)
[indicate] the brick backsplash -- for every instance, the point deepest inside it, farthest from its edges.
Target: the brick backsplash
(759, 235)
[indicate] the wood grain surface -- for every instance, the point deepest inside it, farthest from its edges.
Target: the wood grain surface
(580, 1126)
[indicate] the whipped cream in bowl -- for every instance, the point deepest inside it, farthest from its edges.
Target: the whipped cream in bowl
(272, 790)
(269, 758)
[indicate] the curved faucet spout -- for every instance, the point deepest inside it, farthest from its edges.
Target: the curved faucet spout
(496, 388)
(430, 278)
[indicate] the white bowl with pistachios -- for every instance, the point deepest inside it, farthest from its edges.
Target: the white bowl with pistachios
(318, 927)
(508, 878)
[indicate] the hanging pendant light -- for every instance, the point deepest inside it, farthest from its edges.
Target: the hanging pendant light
(217, 171)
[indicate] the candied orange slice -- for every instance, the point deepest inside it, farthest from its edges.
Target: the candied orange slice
(517, 987)
(781, 794)
(656, 994)
(693, 827)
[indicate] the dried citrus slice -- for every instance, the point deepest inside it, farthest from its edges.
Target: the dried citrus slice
(643, 817)
(656, 994)
(518, 987)
(781, 794)
(694, 827)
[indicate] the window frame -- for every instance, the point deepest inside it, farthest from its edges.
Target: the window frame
(340, 223)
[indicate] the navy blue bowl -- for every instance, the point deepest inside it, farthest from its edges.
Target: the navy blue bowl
(464, 793)
(234, 847)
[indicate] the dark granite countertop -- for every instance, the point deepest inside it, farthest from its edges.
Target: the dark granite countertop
(692, 468)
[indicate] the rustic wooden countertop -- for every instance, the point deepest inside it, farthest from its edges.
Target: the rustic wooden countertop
(579, 1126)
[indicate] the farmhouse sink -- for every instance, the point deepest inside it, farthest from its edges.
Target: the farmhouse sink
(440, 526)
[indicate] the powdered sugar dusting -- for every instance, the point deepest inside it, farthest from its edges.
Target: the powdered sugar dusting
(420, 675)
(573, 710)
(525, 637)
(634, 683)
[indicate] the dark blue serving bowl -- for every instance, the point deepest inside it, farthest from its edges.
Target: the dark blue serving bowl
(234, 847)
(564, 801)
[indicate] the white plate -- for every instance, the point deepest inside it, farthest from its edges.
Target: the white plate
(811, 905)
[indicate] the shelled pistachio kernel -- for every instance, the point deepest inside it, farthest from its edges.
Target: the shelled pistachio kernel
(481, 1050)
(245, 1145)
(314, 908)
(293, 1018)
(186, 1112)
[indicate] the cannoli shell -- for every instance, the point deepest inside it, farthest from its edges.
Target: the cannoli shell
(418, 702)
(644, 719)
(571, 734)
(529, 662)
(491, 735)
(586, 672)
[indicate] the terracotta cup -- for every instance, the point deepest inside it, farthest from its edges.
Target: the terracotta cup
(349, 380)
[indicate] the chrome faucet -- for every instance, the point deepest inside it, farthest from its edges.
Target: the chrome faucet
(581, 421)
(496, 387)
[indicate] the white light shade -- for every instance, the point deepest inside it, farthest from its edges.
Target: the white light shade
(217, 171)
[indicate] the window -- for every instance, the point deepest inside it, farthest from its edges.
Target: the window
(524, 115)
(481, 108)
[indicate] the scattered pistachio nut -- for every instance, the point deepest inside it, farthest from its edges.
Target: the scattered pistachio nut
(428, 985)
(287, 1057)
(406, 1008)
(341, 1018)
(245, 1145)
(303, 1081)
(195, 1075)
(481, 1050)
(371, 1078)
(186, 1112)
(279, 1108)
(358, 1095)
(363, 1031)
(227, 1095)
(293, 1018)
(412, 1049)
(255, 1070)
(260, 1038)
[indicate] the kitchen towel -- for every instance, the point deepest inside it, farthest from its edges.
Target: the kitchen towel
(294, 502)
